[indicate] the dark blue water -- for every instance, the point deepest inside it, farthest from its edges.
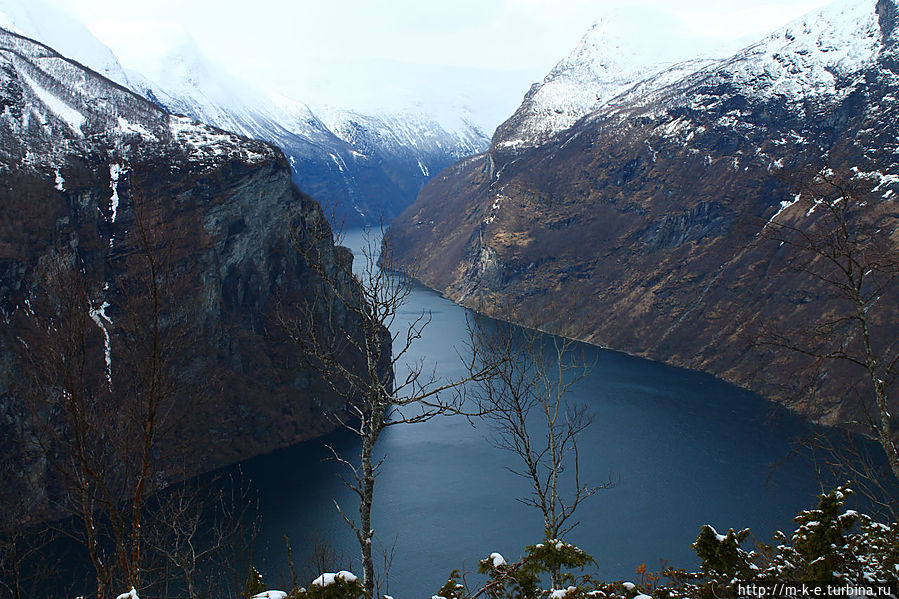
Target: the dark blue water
(684, 449)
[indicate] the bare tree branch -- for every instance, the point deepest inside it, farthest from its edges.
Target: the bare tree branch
(844, 243)
(526, 401)
(358, 347)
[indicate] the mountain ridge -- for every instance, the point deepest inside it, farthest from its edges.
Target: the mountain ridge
(638, 227)
(360, 185)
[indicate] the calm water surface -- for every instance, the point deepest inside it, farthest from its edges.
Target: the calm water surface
(684, 448)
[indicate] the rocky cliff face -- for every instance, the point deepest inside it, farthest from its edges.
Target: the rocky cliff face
(642, 227)
(87, 168)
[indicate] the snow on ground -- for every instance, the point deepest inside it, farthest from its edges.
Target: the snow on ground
(66, 113)
(127, 127)
(602, 67)
(206, 142)
(329, 578)
(883, 180)
(813, 57)
(806, 58)
(41, 21)
(784, 206)
(114, 171)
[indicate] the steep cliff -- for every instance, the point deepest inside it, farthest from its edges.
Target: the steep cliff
(92, 172)
(642, 227)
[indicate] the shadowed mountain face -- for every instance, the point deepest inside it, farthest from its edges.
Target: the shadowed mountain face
(92, 173)
(644, 226)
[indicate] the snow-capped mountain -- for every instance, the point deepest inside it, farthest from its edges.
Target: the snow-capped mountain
(818, 55)
(39, 21)
(813, 62)
(364, 168)
(84, 162)
(641, 226)
(53, 109)
(602, 66)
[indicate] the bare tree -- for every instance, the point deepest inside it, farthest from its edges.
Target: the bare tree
(526, 401)
(23, 537)
(200, 537)
(24, 563)
(359, 358)
(69, 403)
(845, 244)
(103, 384)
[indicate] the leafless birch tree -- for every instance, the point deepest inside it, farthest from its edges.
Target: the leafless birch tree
(102, 384)
(526, 400)
(847, 246)
(366, 360)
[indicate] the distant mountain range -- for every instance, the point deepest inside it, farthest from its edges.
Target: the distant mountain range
(626, 203)
(363, 168)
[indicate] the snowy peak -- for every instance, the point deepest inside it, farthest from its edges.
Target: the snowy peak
(37, 20)
(814, 58)
(413, 133)
(372, 165)
(817, 55)
(48, 97)
(602, 59)
(178, 76)
(52, 108)
(174, 65)
(601, 67)
(814, 62)
(651, 213)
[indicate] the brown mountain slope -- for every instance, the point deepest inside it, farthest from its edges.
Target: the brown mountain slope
(643, 228)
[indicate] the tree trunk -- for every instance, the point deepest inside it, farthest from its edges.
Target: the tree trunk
(365, 531)
(884, 425)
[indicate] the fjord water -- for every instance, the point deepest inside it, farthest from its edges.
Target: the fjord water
(683, 449)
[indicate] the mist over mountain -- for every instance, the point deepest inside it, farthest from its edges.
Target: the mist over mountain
(364, 168)
(93, 177)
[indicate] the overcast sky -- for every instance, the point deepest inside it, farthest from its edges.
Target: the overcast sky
(370, 52)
